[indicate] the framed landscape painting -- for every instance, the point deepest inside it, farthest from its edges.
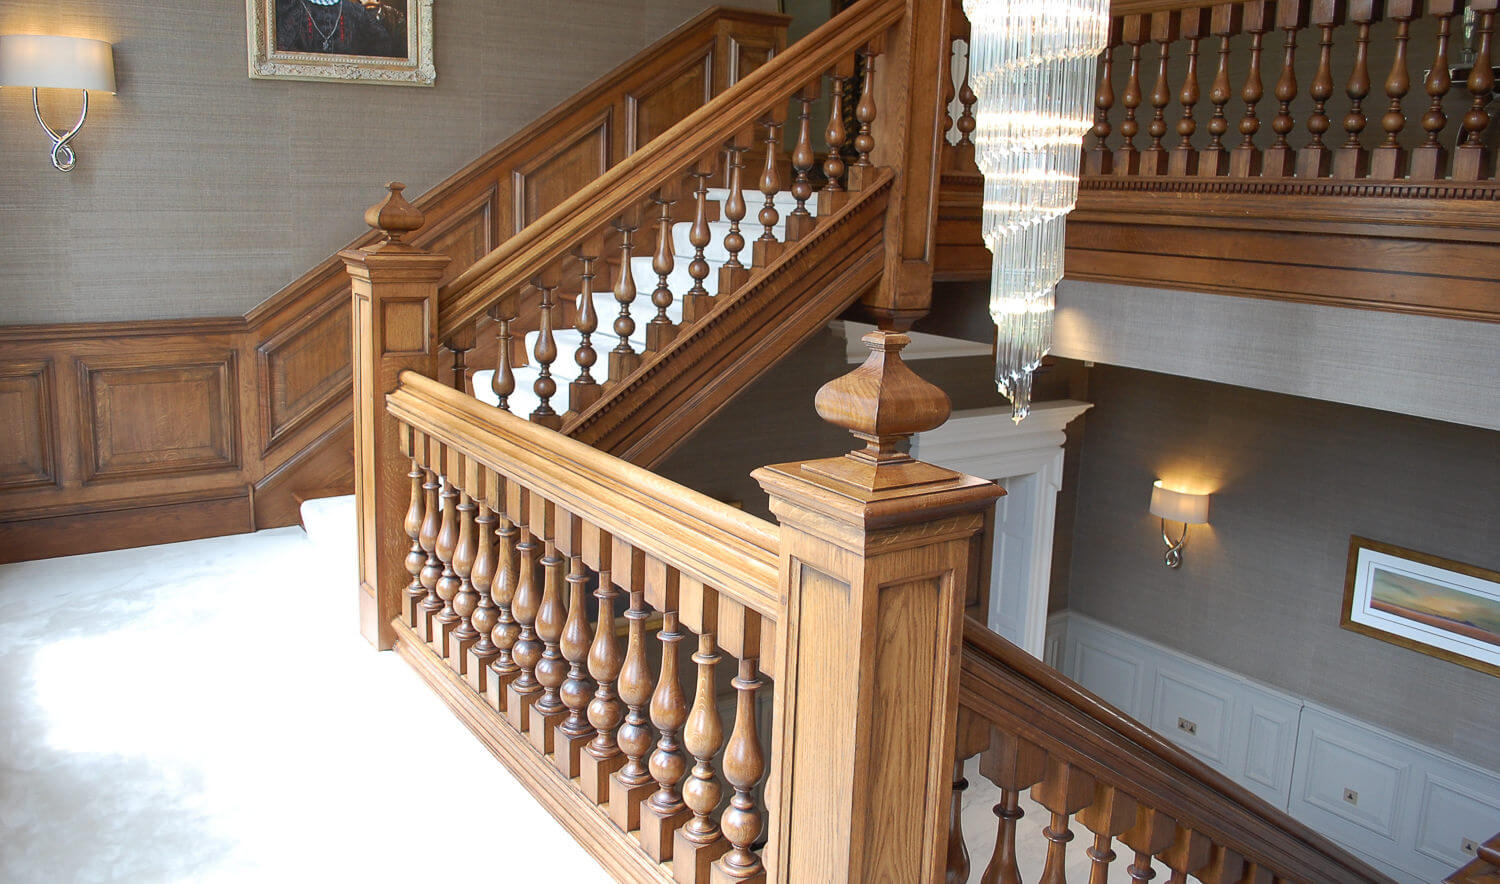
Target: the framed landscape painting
(1436, 606)
(367, 41)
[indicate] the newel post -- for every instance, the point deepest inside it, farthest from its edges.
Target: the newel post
(875, 559)
(395, 329)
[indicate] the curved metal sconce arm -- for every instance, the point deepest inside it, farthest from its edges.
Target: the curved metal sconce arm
(63, 158)
(1174, 548)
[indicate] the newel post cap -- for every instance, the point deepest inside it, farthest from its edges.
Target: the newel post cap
(394, 216)
(883, 401)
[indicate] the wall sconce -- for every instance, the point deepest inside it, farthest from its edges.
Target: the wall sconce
(1177, 506)
(57, 63)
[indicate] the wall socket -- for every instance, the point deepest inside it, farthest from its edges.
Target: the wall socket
(1190, 727)
(1351, 796)
(1468, 848)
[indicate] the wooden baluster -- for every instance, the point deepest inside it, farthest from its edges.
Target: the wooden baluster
(665, 810)
(660, 330)
(744, 765)
(551, 616)
(836, 136)
(1246, 159)
(950, 91)
(1226, 21)
(733, 273)
(503, 381)
(524, 690)
(1314, 160)
(1281, 160)
(967, 101)
(1390, 159)
(1473, 160)
(486, 615)
(1098, 160)
(446, 620)
(466, 601)
(584, 390)
(1014, 765)
(416, 558)
(1152, 833)
(603, 756)
(432, 569)
(632, 783)
(546, 354)
(697, 301)
(1188, 855)
(1429, 161)
(575, 731)
(623, 359)
(1134, 34)
(460, 345)
(1108, 816)
(1064, 791)
(1184, 160)
(1352, 160)
(699, 842)
(958, 851)
(767, 248)
(1165, 29)
(503, 669)
(864, 112)
(801, 222)
(1224, 867)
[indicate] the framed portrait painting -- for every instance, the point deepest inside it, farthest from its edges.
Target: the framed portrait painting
(366, 41)
(1436, 606)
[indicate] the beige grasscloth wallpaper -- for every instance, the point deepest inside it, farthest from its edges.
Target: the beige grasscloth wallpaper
(201, 192)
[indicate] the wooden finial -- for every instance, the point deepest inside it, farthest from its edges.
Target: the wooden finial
(882, 403)
(393, 215)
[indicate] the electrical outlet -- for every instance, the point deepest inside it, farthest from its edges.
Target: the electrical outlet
(1186, 726)
(1468, 848)
(1351, 796)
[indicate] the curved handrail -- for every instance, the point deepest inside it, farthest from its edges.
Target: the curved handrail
(549, 238)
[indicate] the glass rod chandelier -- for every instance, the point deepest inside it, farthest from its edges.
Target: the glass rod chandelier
(1031, 64)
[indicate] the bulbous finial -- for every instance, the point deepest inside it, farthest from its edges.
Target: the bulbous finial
(883, 402)
(393, 215)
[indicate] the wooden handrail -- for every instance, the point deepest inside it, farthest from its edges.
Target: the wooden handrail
(520, 258)
(704, 538)
(1485, 869)
(1022, 696)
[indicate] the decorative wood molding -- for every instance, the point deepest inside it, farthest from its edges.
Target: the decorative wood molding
(28, 430)
(303, 370)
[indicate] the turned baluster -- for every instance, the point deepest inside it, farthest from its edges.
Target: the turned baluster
(967, 101)
(800, 222)
(623, 359)
(665, 810)
(1107, 816)
(836, 136)
(1228, 867)
(660, 330)
(950, 91)
(486, 615)
(732, 273)
(744, 765)
(466, 600)
(1246, 159)
(1281, 160)
(503, 669)
(1314, 160)
(416, 557)
(1473, 160)
(602, 756)
(1014, 766)
(1098, 160)
(546, 354)
(503, 381)
(1187, 855)
(633, 782)
(766, 247)
(1184, 160)
(957, 865)
(1127, 160)
(1152, 833)
(1390, 159)
(460, 345)
(1430, 159)
(1352, 160)
(446, 620)
(864, 112)
(1164, 32)
(1064, 791)
(575, 730)
(585, 390)
(524, 689)
(432, 569)
(697, 301)
(551, 616)
(700, 842)
(1226, 21)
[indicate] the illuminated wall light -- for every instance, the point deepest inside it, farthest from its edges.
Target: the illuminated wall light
(1171, 505)
(38, 62)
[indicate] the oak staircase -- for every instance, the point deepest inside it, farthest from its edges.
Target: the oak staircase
(698, 694)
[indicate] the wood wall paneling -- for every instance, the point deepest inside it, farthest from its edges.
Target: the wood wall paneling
(660, 103)
(467, 235)
(746, 54)
(303, 369)
(28, 435)
(552, 177)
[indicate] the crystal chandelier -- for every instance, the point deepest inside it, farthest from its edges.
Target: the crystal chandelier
(1031, 63)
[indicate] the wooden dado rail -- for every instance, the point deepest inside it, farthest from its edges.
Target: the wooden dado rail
(1312, 150)
(130, 433)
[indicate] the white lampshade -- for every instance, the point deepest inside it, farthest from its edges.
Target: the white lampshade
(1178, 506)
(35, 61)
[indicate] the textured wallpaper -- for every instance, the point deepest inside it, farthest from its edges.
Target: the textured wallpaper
(201, 192)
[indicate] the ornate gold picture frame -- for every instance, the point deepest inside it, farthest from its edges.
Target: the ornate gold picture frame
(364, 41)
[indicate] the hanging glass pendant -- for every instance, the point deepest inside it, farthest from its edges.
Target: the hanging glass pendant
(1031, 63)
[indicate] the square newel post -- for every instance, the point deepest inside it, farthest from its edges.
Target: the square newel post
(395, 329)
(875, 558)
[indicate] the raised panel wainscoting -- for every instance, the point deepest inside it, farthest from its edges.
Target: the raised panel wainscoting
(1405, 807)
